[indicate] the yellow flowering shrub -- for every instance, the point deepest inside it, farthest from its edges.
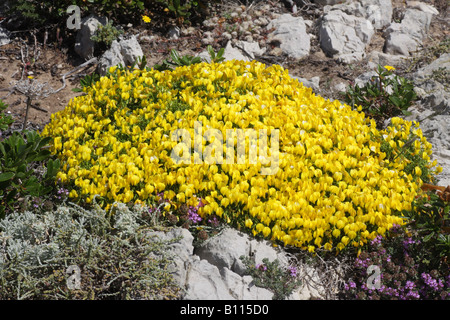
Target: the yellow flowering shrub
(334, 187)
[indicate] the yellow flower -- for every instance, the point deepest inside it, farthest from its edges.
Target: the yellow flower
(389, 68)
(418, 171)
(266, 231)
(73, 194)
(330, 184)
(146, 19)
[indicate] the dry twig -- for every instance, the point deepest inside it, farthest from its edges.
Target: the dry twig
(93, 60)
(32, 89)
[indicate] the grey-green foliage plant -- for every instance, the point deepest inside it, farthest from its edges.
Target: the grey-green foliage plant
(20, 157)
(106, 34)
(115, 255)
(272, 276)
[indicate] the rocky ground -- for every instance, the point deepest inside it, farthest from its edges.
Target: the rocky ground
(327, 47)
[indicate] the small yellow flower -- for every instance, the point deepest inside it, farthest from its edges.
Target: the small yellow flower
(146, 19)
(418, 171)
(389, 68)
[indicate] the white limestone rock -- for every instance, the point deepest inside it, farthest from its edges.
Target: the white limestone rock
(124, 52)
(251, 49)
(422, 6)
(433, 113)
(225, 250)
(290, 33)
(4, 36)
(111, 57)
(130, 50)
(233, 53)
(343, 36)
(312, 83)
(376, 58)
(405, 37)
(378, 12)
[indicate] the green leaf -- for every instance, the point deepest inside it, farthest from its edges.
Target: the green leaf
(406, 112)
(2, 149)
(49, 168)
(395, 100)
(211, 51)
(11, 195)
(52, 168)
(42, 155)
(371, 92)
(428, 237)
(142, 62)
(6, 176)
(44, 142)
(175, 56)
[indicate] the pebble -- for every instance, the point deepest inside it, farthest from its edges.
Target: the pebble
(258, 13)
(248, 38)
(207, 41)
(209, 23)
(261, 21)
(227, 35)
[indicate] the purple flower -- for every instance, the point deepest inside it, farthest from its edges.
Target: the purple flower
(200, 203)
(193, 215)
(432, 283)
(293, 271)
(350, 285)
(413, 294)
(261, 267)
(409, 285)
(376, 240)
(214, 221)
(407, 242)
(360, 263)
